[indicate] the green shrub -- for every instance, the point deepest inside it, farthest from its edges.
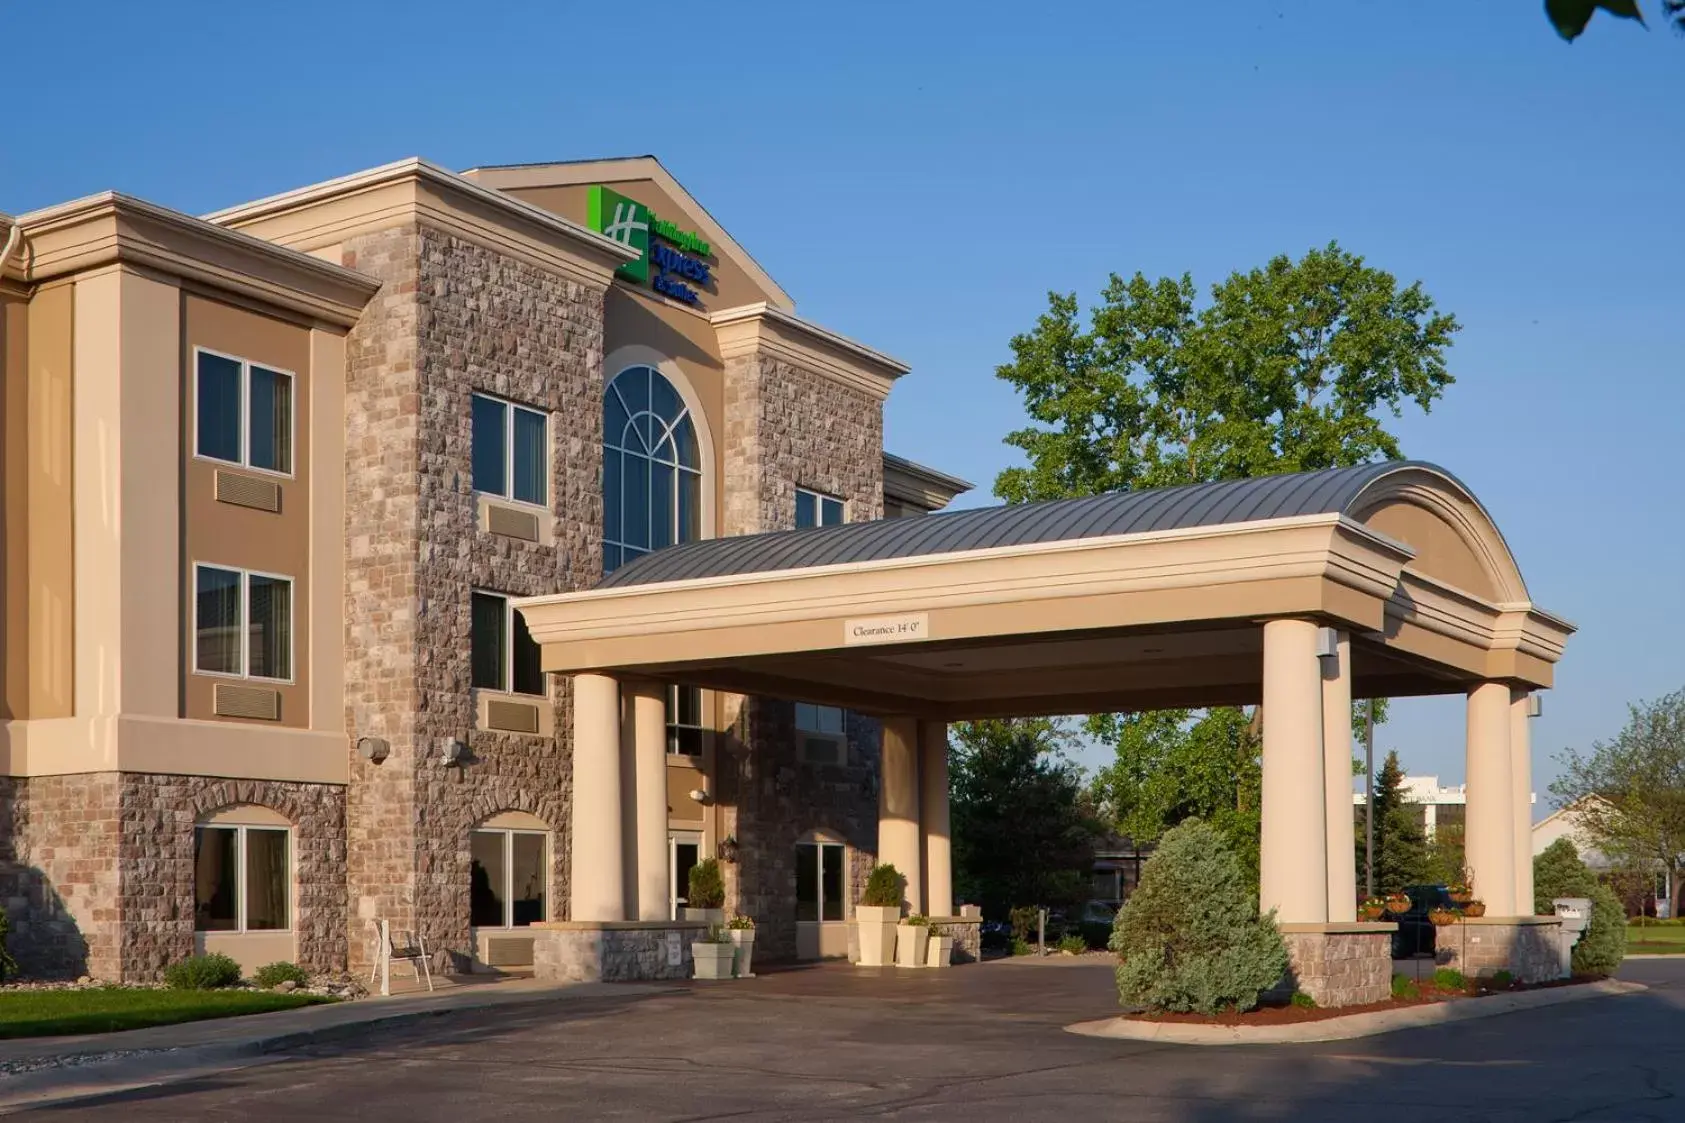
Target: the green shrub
(707, 885)
(202, 972)
(1025, 921)
(8, 966)
(1022, 946)
(1302, 1000)
(1502, 980)
(274, 974)
(1449, 978)
(1602, 945)
(1190, 937)
(1073, 944)
(884, 887)
(1404, 987)
(917, 920)
(1558, 872)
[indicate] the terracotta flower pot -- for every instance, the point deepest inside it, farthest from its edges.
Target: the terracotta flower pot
(1398, 904)
(1371, 912)
(1474, 908)
(1441, 918)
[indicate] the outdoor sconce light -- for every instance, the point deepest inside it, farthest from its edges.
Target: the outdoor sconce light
(1327, 643)
(728, 849)
(452, 752)
(700, 796)
(374, 749)
(1535, 705)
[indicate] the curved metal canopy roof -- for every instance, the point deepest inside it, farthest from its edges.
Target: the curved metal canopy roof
(1329, 491)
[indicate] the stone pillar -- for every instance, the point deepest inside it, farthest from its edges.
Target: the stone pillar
(1293, 856)
(596, 889)
(646, 714)
(1521, 782)
(898, 805)
(1490, 838)
(1337, 782)
(933, 818)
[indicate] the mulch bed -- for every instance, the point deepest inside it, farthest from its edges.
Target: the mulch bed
(1282, 1013)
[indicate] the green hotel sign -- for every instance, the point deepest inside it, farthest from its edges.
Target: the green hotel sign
(675, 254)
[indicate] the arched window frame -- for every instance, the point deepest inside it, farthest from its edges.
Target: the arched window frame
(617, 541)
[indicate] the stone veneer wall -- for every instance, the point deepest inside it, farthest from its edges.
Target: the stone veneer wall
(98, 869)
(1340, 968)
(453, 318)
(788, 427)
(612, 955)
(1531, 950)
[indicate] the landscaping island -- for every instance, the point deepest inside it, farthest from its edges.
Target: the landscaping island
(31, 1012)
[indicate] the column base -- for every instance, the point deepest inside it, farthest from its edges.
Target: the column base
(1531, 948)
(1344, 964)
(613, 951)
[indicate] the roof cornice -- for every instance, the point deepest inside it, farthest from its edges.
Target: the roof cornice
(770, 330)
(918, 485)
(113, 228)
(414, 190)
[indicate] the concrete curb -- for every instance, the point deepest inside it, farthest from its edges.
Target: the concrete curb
(1352, 1025)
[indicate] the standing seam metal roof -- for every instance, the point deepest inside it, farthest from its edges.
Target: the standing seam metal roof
(1329, 491)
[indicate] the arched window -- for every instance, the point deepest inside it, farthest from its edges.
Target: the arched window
(652, 469)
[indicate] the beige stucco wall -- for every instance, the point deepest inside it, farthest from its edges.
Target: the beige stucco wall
(1440, 550)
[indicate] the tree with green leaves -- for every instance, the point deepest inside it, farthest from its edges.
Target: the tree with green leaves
(1284, 368)
(1570, 17)
(1401, 845)
(1628, 794)
(1559, 872)
(1023, 829)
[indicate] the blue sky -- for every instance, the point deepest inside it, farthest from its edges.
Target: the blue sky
(919, 175)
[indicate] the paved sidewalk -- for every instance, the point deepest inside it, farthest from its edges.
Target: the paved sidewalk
(38, 1071)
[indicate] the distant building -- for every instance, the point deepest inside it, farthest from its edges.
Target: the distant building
(1566, 822)
(1441, 806)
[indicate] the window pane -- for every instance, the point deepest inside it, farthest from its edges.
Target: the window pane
(833, 882)
(807, 716)
(830, 719)
(635, 528)
(685, 855)
(690, 507)
(531, 451)
(662, 508)
(611, 495)
(266, 879)
(831, 511)
(271, 432)
(530, 876)
(665, 400)
(529, 678)
(488, 454)
(219, 408)
(684, 436)
(216, 642)
(806, 515)
(213, 879)
(633, 385)
(807, 882)
(486, 641)
(271, 643)
(687, 705)
(614, 419)
(611, 559)
(486, 879)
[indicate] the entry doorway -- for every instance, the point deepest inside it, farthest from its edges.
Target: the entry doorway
(684, 850)
(821, 898)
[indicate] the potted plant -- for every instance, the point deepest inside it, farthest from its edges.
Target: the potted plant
(877, 915)
(1398, 903)
(1460, 891)
(1371, 908)
(1474, 908)
(741, 931)
(912, 938)
(706, 900)
(941, 947)
(1441, 918)
(711, 954)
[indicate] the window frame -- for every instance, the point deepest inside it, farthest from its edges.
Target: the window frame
(819, 845)
(510, 406)
(670, 726)
(508, 657)
(508, 834)
(821, 498)
(244, 673)
(241, 892)
(688, 412)
(244, 436)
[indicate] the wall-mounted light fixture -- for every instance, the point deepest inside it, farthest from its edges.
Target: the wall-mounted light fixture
(452, 751)
(699, 796)
(728, 849)
(374, 749)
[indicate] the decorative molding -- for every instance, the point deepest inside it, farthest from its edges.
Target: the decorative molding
(764, 329)
(916, 485)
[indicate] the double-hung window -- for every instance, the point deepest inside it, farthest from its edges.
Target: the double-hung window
(242, 623)
(243, 413)
(685, 728)
(511, 450)
(815, 508)
(241, 879)
(508, 876)
(502, 653)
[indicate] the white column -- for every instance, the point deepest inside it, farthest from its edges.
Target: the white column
(596, 889)
(1430, 820)
(1337, 781)
(933, 818)
(1521, 782)
(898, 805)
(646, 707)
(1293, 856)
(1490, 838)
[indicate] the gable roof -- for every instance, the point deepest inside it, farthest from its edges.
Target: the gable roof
(570, 173)
(1329, 491)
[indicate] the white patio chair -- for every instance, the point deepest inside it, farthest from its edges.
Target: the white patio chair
(404, 947)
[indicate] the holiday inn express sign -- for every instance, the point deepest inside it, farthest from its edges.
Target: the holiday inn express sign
(677, 255)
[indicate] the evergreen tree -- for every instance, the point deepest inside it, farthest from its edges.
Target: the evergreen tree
(1401, 845)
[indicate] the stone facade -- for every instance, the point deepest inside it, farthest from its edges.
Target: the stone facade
(453, 318)
(1341, 967)
(60, 874)
(1529, 948)
(567, 953)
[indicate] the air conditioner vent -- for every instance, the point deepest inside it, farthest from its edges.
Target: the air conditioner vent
(823, 750)
(247, 491)
(246, 701)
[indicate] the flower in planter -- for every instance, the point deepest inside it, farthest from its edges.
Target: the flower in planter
(1372, 908)
(917, 920)
(1474, 908)
(1398, 902)
(1440, 918)
(741, 923)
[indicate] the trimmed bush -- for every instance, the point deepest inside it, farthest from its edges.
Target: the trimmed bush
(274, 974)
(1449, 978)
(1021, 946)
(1502, 980)
(1302, 1001)
(1404, 987)
(1558, 872)
(202, 972)
(883, 887)
(707, 885)
(1025, 921)
(1073, 944)
(1190, 938)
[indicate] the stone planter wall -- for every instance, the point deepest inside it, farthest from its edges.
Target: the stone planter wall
(1528, 947)
(611, 952)
(1340, 964)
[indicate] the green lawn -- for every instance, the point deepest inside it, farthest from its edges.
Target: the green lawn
(1655, 939)
(42, 1013)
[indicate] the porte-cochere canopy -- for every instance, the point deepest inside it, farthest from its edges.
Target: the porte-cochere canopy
(1126, 601)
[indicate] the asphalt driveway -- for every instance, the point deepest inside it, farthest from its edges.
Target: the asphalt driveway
(979, 1043)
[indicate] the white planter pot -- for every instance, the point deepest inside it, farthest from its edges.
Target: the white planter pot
(941, 951)
(709, 917)
(743, 951)
(712, 961)
(876, 925)
(911, 940)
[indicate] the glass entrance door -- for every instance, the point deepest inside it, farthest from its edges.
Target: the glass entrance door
(684, 850)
